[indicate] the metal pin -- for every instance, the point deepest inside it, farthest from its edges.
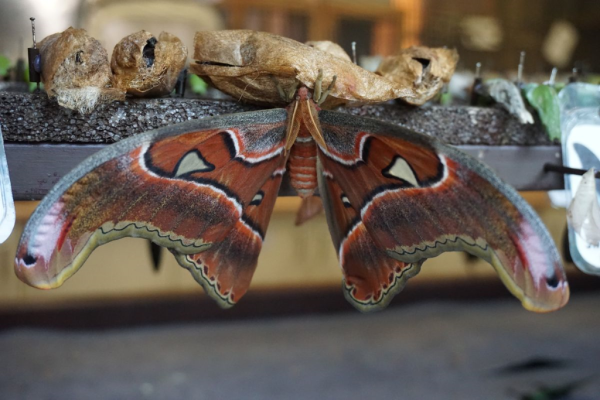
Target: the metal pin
(561, 169)
(520, 68)
(476, 88)
(33, 55)
(33, 31)
(552, 79)
(574, 76)
(181, 83)
(354, 52)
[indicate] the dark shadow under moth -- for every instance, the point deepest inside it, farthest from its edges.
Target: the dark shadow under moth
(206, 189)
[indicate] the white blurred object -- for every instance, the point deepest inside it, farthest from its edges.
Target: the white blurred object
(370, 63)
(460, 85)
(560, 43)
(584, 212)
(481, 33)
(7, 205)
(559, 198)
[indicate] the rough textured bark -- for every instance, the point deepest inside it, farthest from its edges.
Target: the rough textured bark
(34, 118)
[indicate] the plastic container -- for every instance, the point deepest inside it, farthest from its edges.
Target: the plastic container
(580, 126)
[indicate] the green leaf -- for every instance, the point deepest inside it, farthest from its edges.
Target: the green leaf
(197, 85)
(33, 86)
(559, 86)
(545, 101)
(446, 99)
(4, 65)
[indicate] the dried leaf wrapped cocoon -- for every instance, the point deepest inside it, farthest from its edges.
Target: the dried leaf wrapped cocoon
(243, 63)
(146, 67)
(423, 69)
(76, 71)
(330, 47)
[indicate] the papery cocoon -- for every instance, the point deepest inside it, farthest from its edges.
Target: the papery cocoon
(148, 67)
(243, 63)
(584, 212)
(508, 95)
(76, 71)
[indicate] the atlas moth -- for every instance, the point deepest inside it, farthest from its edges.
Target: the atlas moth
(205, 189)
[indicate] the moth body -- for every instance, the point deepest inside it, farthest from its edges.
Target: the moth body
(303, 134)
(302, 165)
(303, 130)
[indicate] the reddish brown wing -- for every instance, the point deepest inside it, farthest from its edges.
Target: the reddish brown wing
(202, 186)
(395, 198)
(226, 268)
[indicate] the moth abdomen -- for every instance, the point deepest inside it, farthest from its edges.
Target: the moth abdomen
(302, 164)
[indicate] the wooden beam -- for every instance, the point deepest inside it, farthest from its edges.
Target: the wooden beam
(35, 168)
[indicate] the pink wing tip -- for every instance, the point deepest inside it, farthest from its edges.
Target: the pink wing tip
(29, 268)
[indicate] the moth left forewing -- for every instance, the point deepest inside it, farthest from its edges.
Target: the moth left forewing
(184, 187)
(418, 198)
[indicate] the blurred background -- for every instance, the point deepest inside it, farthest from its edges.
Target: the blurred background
(298, 273)
(554, 33)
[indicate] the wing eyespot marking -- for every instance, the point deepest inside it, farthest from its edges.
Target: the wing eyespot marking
(345, 201)
(29, 259)
(278, 172)
(191, 162)
(146, 163)
(552, 281)
(257, 199)
(401, 170)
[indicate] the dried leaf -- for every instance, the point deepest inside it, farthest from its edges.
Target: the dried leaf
(243, 63)
(509, 96)
(584, 212)
(146, 67)
(331, 48)
(424, 69)
(72, 61)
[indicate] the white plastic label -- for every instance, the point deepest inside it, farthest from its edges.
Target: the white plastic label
(7, 205)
